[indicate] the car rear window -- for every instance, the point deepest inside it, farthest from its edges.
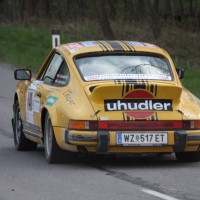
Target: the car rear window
(120, 66)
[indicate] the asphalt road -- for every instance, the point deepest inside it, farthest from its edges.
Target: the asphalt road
(26, 175)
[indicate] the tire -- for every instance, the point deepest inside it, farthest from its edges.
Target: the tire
(188, 156)
(20, 141)
(53, 153)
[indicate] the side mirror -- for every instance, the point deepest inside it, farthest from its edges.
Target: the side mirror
(180, 73)
(22, 74)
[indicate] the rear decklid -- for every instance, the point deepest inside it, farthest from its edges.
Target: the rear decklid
(123, 100)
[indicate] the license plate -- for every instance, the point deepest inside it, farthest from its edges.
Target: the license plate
(142, 139)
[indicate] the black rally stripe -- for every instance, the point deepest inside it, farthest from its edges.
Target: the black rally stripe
(147, 86)
(115, 45)
(127, 87)
(156, 116)
(107, 45)
(151, 88)
(144, 83)
(123, 45)
(123, 89)
(128, 46)
(128, 118)
(103, 46)
(140, 86)
(119, 82)
(123, 116)
(156, 87)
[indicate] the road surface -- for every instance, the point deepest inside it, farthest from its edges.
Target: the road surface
(26, 175)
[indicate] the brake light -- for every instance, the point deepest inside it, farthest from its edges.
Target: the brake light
(134, 125)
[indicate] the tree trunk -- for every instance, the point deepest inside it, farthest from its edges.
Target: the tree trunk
(141, 9)
(153, 19)
(112, 12)
(103, 19)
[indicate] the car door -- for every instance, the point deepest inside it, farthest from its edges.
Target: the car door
(55, 74)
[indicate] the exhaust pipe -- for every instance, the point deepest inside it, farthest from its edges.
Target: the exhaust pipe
(82, 151)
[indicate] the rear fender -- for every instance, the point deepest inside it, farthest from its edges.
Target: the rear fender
(53, 115)
(54, 120)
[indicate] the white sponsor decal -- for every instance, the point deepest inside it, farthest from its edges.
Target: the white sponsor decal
(127, 76)
(134, 43)
(150, 45)
(29, 106)
(73, 50)
(32, 102)
(89, 44)
(74, 46)
(36, 104)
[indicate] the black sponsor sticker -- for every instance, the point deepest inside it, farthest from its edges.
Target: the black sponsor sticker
(138, 105)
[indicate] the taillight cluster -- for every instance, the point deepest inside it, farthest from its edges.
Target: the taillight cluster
(134, 125)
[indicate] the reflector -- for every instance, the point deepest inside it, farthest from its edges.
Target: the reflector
(134, 125)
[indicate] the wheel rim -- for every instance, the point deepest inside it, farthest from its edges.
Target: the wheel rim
(18, 127)
(48, 136)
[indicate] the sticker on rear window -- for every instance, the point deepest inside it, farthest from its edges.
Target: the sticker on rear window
(127, 76)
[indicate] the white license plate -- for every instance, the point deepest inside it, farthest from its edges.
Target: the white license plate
(142, 139)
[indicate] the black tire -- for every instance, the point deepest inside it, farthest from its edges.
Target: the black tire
(53, 153)
(20, 141)
(188, 156)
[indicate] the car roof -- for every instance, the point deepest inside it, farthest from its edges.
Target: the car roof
(109, 46)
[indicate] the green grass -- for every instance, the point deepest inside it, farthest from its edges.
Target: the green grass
(28, 45)
(191, 80)
(24, 46)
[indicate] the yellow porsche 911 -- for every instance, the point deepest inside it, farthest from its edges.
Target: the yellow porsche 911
(106, 97)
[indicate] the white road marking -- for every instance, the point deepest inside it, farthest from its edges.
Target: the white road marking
(158, 194)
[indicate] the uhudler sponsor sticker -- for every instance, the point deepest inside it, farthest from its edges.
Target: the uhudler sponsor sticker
(138, 104)
(142, 139)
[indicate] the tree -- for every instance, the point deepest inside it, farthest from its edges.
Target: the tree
(103, 19)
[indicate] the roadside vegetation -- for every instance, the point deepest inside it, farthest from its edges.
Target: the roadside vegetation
(25, 36)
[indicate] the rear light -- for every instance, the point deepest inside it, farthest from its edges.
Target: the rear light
(134, 125)
(83, 125)
(195, 124)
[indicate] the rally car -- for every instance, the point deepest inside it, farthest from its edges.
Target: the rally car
(106, 97)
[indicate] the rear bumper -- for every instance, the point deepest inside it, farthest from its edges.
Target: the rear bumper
(105, 141)
(102, 140)
(181, 139)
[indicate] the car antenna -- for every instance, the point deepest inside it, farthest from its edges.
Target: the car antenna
(95, 114)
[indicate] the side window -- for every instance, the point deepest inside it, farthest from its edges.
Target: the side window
(57, 72)
(52, 69)
(62, 77)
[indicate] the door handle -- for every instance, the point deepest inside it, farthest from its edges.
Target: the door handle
(39, 94)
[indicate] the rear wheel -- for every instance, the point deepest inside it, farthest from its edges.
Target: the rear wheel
(53, 153)
(21, 143)
(188, 156)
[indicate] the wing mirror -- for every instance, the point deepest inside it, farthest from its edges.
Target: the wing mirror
(22, 74)
(180, 73)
